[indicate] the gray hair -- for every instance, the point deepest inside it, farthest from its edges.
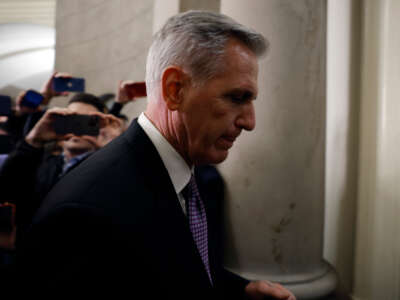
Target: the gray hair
(196, 41)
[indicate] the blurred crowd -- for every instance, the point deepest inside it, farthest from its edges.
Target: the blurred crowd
(40, 143)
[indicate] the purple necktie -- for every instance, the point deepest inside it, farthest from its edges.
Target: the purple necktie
(197, 221)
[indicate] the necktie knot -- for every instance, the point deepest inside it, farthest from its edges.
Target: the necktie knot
(191, 194)
(187, 190)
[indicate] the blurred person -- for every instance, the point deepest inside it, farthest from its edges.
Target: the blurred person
(7, 245)
(30, 172)
(125, 94)
(48, 92)
(130, 222)
(3, 158)
(124, 119)
(107, 98)
(23, 117)
(6, 140)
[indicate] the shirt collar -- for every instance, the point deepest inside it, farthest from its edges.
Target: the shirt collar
(76, 158)
(177, 168)
(68, 164)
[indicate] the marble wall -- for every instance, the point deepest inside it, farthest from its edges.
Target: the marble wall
(104, 41)
(163, 9)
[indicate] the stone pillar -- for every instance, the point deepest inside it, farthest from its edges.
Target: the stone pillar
(274, 213)
(163, 9)
(104, 42)
(341, 161)
(377, 255)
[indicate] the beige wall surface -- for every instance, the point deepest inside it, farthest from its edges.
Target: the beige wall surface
(104, 41)
(210, 5)
(163, 9)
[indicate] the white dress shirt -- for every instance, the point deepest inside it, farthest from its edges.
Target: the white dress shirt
(177, 168)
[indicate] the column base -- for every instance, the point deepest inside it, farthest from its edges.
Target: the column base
(306, 286)
(316, 288)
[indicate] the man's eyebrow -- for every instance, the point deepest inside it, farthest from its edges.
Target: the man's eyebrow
(242, 93)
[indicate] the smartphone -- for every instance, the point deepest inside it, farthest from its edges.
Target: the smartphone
(7, 217)
(77, 124)
(137, 89)
(5, 105)
(68, 84)
(32, 99)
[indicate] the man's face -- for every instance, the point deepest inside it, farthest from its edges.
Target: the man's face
(213, 115)
(77, 144)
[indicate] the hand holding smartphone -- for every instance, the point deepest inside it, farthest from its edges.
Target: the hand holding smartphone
(136, 89)
(129, 90)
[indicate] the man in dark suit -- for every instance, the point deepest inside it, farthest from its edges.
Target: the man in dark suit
(129, 221)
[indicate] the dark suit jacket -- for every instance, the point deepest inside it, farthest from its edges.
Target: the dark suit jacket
(27, 176)
(114, 226)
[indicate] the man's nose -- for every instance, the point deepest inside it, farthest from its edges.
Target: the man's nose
(247, 117)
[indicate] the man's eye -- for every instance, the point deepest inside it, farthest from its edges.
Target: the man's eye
(240, 97)
(237, 99)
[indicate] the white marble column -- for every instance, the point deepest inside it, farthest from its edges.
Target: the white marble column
(104, 42)
(275, 175)
(163, 9)
(341, 159)
(377, 255)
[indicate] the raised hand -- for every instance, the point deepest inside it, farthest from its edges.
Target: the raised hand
(43, 132)
(47, 90)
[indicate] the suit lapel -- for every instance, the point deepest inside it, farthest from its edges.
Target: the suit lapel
(177, 241)
(176, 248)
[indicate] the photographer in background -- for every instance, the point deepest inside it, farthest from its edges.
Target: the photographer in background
(30, 171)
(7, 143)
(30, 107)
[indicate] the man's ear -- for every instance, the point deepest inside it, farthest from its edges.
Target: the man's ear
(173, 80)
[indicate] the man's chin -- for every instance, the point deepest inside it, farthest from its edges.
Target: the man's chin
(221, 159)
(78, 148)
(213, 158)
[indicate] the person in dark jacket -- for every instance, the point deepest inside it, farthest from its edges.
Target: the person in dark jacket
(32, 169)
(130, 222)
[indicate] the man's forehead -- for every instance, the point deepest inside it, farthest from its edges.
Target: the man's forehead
(241, 67)
(81, 107)
(239, 57)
